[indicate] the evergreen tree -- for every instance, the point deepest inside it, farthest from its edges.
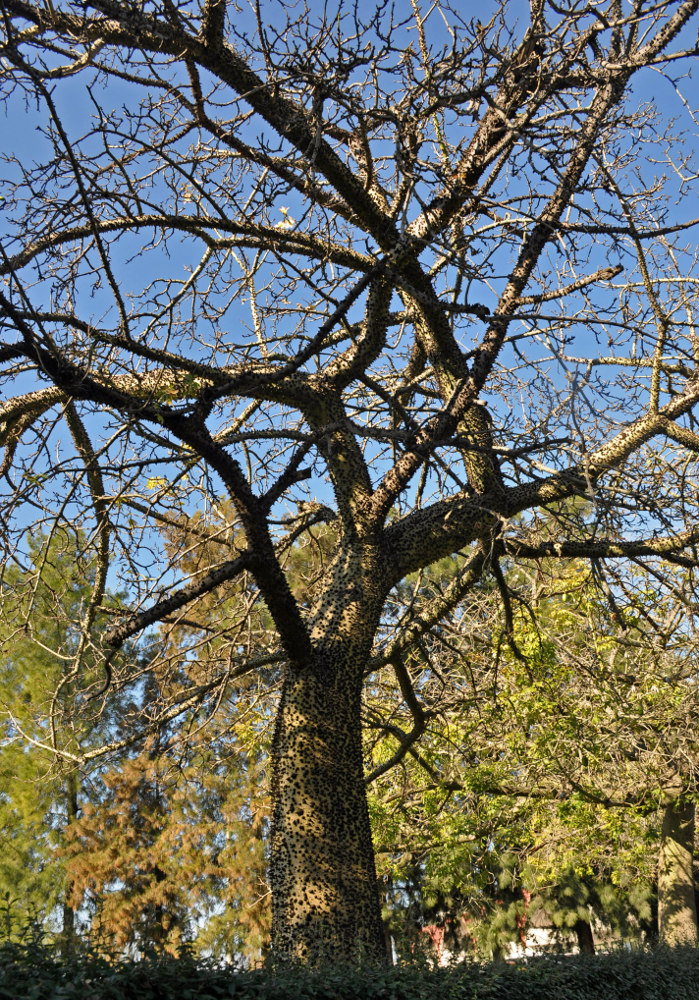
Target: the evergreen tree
(172, 847)
(45, 719)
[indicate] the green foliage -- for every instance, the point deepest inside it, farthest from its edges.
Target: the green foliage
(550, 735)
(33, 973)
(43, 654)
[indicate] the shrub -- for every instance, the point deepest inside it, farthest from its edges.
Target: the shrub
(35, 972)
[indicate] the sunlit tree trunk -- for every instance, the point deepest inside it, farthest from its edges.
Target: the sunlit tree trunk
(325, 896)
(677, 913)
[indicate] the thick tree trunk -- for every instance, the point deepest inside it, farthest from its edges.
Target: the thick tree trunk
(677, 913)
(325, 899)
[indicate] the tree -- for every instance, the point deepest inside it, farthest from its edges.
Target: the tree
(625, 663)
(429, 222)
(171, 852)
(558, 761)
(43, 641)
(171, 846)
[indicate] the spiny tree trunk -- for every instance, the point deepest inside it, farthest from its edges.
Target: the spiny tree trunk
(324, 891)
(677, 913)
(325, 899)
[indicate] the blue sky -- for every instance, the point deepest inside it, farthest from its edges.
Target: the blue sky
(22, 138)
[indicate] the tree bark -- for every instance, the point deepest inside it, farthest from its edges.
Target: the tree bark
(326, 906)
(68, 930)
(650, 927)
(677, 913)
(586, 942)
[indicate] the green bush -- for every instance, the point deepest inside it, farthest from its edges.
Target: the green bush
(35, 972)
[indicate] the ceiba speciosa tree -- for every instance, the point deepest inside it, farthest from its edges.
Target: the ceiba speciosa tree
(421, 276)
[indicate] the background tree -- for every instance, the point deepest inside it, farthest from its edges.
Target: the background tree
(568, 770)
(623, 706)
(45, 643)
(172, 846)
(413, 213)
(171, 852)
